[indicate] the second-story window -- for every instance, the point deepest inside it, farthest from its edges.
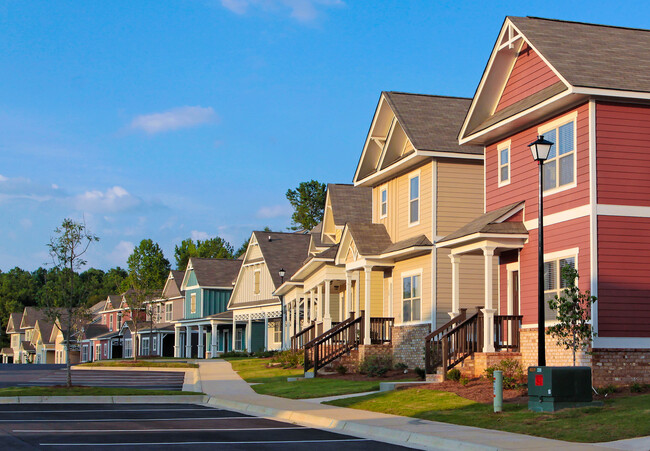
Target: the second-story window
(168, 312)
(110, 322)
(504, 165)
(256, 282)
(414, 199)
(383, 202)
(559, 168)
(193, 303)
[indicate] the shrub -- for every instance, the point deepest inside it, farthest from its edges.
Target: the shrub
(464, 381)
(636, 388)
(341, 369)
(233, 354)
(453, 374)
(606, 390)
(513, 374)
(376, 366)
(265, 354)
(401, 366)
(289, 359)
(420, 372)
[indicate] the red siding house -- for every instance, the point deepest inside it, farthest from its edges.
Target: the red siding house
(587, 89)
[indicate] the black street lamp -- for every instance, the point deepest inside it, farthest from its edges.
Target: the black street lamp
(540, 150)
(281, 273)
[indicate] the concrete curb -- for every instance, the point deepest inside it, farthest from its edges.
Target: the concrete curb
(384, 434)
(192, 381)
(122, 368)
(121, 399)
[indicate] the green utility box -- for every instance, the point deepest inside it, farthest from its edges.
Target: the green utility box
(552, 388)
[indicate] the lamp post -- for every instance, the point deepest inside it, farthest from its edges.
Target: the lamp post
(281, 273)
(540, 150)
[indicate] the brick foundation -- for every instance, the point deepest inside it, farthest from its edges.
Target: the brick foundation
(482, 360)
(408, 344)
(620, 366)
(354, 359)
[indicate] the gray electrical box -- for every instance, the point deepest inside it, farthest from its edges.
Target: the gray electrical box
(552, 388)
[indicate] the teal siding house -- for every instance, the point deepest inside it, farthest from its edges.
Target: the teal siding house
(206, 328)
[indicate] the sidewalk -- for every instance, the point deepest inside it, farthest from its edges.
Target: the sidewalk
(227, 390)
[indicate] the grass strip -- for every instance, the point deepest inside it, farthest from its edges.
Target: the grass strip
(620, 418)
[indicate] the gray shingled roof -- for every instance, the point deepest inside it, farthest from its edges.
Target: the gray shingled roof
(485, 224)
(16, 318)
(31, 315)
(94, 330)
(215, 272)
(350, 203)
(46, 329)
(432, 122)
(421, 240)
(285, 250)
(370, 239)
(590, 55)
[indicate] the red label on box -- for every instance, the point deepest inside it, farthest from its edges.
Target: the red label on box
(539, 380)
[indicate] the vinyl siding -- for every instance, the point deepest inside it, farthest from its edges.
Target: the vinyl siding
(188, 303)
(460, 195)
(623, 283)
(530, 74)
(215, 301)
(244, 291)
(401, 270)
(622, 140)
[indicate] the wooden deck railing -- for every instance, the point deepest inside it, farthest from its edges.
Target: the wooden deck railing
(299, 340)
(506, 332)
(433, 342)
(381, 330)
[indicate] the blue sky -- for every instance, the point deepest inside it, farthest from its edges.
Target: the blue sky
(191, 118)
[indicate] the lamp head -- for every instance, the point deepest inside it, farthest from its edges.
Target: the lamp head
(540, 148)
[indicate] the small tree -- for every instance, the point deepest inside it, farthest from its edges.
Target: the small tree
(64, 300)
(308, 202)
(573, 307)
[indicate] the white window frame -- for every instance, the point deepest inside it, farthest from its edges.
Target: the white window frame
(192, 302)
(418, 198)
(106, 349)
(144, 340)
(257, 281)
(403, 276)
(500, 148)
(98, 351)
(239, 339)
(110, 323)
(84, 353)
(154, 344)
(556, 257)
(555, 125)
(169, 312)
(128, 348)
(383, 204)
(277, 332)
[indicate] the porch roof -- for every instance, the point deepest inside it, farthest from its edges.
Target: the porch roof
(492, 222)
(7, 351)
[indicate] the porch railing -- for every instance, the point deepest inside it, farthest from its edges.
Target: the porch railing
(506, 332)
(381, 330)
(433, 342)
(306, 335)
(334, 343)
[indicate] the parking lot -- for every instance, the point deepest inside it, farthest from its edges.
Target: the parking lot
(158, 426)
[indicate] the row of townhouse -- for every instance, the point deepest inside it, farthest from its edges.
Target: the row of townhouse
(429, 256)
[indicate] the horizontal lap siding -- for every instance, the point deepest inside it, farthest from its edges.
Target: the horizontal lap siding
(557, 237)
(460, 194)
(405, 266)
(524, 172)
(623, 282)
(623, 140)
(529, 75)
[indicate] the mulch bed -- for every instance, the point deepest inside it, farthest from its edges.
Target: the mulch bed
(479, 390)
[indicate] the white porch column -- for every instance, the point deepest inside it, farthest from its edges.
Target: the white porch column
(348, 293)
(200, 352)
(213, 344)
(366, 319)
(327, 317)
(357, 293)
(296, 317)
(319, 303)
(266, 332)
(234, 332)
(455, 285)
(488, 311)
(177, 341)
(341, 315)
(188, 342)
(249, 333)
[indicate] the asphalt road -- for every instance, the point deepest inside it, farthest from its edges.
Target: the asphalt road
(48, 375)
(159, 426)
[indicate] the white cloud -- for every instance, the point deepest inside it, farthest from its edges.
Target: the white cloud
(196, 235)
(121, 252)
(21, 188)
(112, 200)
(174, 119)
(3, 178)
(274, 211)
(301, 10)
(26, 223)
(55, 186)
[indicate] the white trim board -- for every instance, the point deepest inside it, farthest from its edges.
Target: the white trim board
(623, 210)
(621, 343)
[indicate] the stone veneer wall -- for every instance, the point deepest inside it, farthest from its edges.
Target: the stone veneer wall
(408, 344)
(620, 366)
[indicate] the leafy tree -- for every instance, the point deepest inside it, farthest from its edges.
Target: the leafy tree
(573, 307)
(148, 270)
(113, 280)
(65, 298)
(308, 202)
(211, 248)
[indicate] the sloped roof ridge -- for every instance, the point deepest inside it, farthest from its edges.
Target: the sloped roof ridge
(581, 23)
(427, 95)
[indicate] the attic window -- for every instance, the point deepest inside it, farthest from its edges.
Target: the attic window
(504, 163)
(383, 203)
(414, 199)
(256, 288)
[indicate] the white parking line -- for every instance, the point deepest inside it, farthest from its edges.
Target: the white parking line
(86, 420)
(209, 443)
(104, 410)
(140, 431)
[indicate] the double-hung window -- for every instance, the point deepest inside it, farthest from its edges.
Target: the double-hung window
(414, 199)
(277, 332)
(239, 340)
(554, 284)
(127, 348)
(110, 323)
(411, 298)
(168, 312)
(559, 168)
(504, 163)
(98, 352)
(383, 202)
(193, 303)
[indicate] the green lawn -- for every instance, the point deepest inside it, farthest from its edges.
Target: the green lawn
(620, 418)
(140, 364)
(273, 381)
(87, 391)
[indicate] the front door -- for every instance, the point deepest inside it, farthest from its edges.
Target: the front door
(226, 334)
